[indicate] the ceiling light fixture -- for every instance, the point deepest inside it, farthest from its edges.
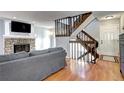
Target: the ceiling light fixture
(109, 17)
(14, 17)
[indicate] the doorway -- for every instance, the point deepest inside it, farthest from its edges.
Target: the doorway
(109, 37)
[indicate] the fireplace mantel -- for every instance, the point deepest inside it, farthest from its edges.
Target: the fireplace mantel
(18, 36)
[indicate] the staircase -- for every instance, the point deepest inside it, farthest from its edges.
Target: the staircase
(83, 47)
(90, 44)
(66, 26)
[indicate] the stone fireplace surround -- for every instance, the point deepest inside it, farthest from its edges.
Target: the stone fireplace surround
(10, 42)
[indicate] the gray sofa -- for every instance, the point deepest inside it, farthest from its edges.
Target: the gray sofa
(33, 66)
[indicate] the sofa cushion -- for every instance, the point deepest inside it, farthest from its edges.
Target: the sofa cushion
(19, 55)
(55, 49)
(4, 58)
(38, 52)
(13, 56)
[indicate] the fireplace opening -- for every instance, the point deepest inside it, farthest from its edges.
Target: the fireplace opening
(21, 47)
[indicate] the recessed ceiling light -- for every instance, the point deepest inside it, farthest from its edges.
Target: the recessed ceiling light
(109, 17)
(14, 17)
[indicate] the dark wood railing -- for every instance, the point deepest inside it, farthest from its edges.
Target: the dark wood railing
(66, 26)
(84, 48)
(90, 44)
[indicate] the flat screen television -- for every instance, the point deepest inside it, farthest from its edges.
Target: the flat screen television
(20, 27)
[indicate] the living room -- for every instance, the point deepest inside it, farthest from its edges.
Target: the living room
(21, 31)
(61, 46)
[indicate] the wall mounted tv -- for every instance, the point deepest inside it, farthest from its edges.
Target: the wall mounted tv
(20, 27)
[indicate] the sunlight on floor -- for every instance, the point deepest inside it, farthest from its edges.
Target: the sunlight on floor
(78, 68)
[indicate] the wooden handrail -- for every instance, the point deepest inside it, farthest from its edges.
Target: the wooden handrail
(89, 36)
(81, 19)
(82, 14)
(89, 43)
(66, 26)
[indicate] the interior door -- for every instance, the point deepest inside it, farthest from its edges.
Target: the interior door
(109, 37)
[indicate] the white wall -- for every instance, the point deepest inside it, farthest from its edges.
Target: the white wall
(93, 29)
(2, 31)
(63, 42)
(44, 38)
(122, 24)
(1, 46)
(52, 37)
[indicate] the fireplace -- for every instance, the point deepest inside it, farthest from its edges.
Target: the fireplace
(21, 47)
(9, 44)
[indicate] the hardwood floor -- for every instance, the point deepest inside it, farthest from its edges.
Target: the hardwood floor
(81, 71)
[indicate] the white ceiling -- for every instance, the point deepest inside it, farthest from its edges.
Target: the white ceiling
(46, 18)
(102, 14)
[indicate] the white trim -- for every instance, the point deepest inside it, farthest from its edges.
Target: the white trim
(17, 36)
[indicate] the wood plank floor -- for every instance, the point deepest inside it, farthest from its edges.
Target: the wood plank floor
(81, 71)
